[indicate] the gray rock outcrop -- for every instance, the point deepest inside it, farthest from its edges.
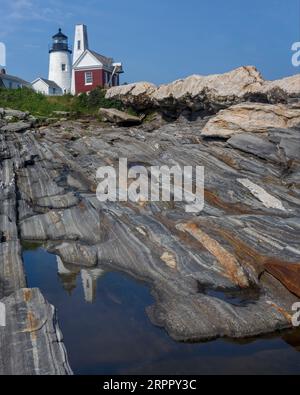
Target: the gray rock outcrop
(226, 259)
(31, 342)
(231, 270)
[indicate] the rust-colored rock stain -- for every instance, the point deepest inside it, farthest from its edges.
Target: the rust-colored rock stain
(287, 273)
(231, 266)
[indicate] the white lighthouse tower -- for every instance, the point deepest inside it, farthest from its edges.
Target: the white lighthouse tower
(81, 43)
(60, 64)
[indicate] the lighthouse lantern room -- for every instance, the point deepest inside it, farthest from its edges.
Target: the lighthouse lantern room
(60, 64)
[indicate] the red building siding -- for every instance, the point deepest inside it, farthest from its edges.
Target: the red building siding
(98, 80)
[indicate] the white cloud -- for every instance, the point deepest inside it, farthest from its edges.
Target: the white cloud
(19, 14)
(16, 12)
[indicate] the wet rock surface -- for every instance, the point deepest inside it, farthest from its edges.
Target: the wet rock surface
(30, 341)
(250, 218)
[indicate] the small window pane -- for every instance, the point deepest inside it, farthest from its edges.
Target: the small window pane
(63, 67)
(88, 77)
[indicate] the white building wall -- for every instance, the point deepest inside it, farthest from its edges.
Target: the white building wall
(56, 74)
(80, 41)
(40, 87)
(89, 61)
(81, 36)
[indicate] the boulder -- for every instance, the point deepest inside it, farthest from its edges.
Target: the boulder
(21, 115)
(75, 253)
(210, 93)
(213, 91)
(119, 117)
(137, 95)
(251, 118)
(16, 127)
(285, 88)
(64, 114)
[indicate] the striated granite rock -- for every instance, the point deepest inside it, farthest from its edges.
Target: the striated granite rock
(8, 112)
(214, 264)
(251, 118)
(16, 127)
(31, 342)
(230, 270)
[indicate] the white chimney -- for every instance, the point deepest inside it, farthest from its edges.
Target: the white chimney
(80, 41)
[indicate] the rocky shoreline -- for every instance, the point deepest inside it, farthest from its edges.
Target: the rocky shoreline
(232, 270)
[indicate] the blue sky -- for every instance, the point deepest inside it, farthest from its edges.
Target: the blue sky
(157, 40)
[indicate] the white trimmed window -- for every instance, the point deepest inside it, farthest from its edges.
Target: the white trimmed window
(64, 67)
(88, 78)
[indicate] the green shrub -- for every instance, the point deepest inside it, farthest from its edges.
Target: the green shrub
(40, 105)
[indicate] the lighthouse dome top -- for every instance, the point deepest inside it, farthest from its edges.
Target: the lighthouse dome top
(60, 43)
(60, 35)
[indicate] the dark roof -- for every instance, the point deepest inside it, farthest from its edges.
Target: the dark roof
(13, 78)
(103, 59)
(60, 35)
(51, 84)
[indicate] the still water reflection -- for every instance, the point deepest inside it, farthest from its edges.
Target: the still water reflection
(106, 330)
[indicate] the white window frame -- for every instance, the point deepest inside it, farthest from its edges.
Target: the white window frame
(64, 67)
(88, 78)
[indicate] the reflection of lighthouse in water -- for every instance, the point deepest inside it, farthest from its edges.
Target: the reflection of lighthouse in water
(68, 275)
(89, 281)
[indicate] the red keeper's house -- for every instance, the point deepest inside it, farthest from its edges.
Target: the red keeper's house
(92, 70)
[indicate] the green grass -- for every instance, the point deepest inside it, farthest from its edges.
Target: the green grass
(40, 105)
